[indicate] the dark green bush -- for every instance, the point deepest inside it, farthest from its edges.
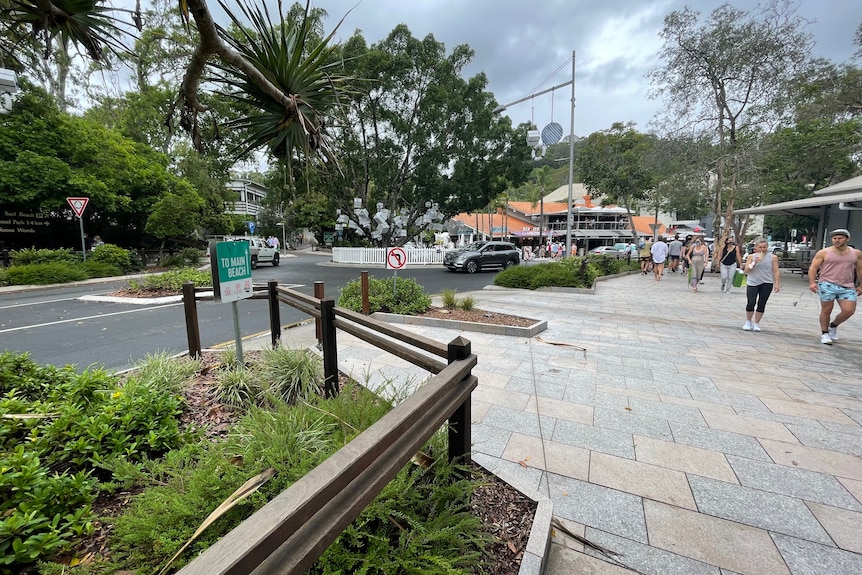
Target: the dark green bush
(173, 261)
(96, 269)
(4, 277)
(569, 272)
(173, 280)
(112, 255)
(29, 256)
(192, 256)
(57, 272)
(409, 297)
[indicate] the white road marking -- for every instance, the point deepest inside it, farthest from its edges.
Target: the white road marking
(50, 323)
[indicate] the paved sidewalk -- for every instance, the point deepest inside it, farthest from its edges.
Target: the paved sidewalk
(674, 439)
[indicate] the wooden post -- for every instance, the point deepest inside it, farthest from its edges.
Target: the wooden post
(193, 332)
(459, 422)
(274, 313)
(366, 307)
(318, 293)
(330, 349)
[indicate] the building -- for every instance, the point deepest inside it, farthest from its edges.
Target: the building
(250, 198)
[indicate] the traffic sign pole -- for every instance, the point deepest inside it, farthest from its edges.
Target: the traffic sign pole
(78, 205)
(83, 242)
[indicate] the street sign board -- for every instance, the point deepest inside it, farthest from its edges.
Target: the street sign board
(328, 238)
(396, 258)
(231, 268)
(78, 205)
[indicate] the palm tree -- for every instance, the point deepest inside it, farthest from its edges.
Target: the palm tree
(541, 180)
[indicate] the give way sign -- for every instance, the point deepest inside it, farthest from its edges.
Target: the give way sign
(78, 205)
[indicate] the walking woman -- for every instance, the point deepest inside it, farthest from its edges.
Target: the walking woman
(730, 260)
(696, 256)
(763, 278)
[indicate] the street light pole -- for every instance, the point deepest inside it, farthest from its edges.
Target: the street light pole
(283, 235)
(503, 107)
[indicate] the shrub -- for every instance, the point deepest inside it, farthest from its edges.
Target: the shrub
(409, 297)
(56, 272)
(112, 255)
(192, 256)
(173, 280)
(237, 387)
(29, 256)
(96, 269)
(449, 299)
(466, 303)
(291, 375)
(172, 261)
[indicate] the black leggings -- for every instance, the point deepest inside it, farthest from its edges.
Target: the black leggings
(757, 295)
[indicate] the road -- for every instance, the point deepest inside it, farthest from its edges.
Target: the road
(55, 327)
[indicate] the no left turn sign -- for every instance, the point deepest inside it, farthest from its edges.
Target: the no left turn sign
(396, 258)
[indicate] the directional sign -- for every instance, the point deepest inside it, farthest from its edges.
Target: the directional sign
(396, 258)
(78, 205)
(231, 265)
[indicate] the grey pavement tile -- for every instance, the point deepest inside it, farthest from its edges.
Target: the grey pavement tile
(825, 439)
(810, 485)
(728, 572)
(741, 400)
(848, 389)
(520, 421)
(584, 378)
(624, 420)
(660, 387)
(605, 369)
(595, 398)
(645, 559)
(842, 427)
(596, 506)
(770, 511)
(648, 364)
(807, 558)
(669, 411)
(769, 416)
(854, 414)
(717, 440)
(526, 479)
(608, 441)
(489, 440)
(543, 389)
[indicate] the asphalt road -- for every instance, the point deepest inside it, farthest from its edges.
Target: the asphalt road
(55, 327)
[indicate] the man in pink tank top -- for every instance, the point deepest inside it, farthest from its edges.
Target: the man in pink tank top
(839, 268)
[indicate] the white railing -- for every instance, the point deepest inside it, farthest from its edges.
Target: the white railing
(375, 256)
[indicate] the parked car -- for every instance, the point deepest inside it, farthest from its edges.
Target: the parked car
(259, 250)
(482, 255)
(609, 251)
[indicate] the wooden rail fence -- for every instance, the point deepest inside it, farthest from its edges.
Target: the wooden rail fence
(290, 532)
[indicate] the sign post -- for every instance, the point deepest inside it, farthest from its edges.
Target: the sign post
(230, 263)
(396, 259)
(78, 205)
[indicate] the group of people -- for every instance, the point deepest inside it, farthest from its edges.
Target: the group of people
(834, 275)
(273, 242)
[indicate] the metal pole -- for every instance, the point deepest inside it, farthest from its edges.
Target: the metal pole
(571, 164)
(83, 243)
(236, 334)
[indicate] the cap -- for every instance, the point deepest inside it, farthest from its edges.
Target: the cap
(840, 232)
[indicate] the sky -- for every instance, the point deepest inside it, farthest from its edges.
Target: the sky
(523, 46)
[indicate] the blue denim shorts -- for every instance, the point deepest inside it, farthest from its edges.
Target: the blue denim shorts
(829, 291)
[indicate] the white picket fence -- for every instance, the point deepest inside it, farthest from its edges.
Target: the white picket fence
(375, 256)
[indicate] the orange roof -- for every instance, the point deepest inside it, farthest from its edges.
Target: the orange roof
(498, 222)
(527, 207)
(643, 225)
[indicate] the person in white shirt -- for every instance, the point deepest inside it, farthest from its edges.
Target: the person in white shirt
(659, 255)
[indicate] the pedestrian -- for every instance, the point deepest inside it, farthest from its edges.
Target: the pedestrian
(674, 251)
(764, 277)
(696, 256)
(730, 260)
(645, 255)
(275, 243)
(659, 255)
(839, 268)
(97, 241)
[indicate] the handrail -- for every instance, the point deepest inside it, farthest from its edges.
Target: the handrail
(395, 348)
(413, 339)
(291, 531)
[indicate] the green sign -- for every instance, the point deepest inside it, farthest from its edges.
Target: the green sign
(328, 238)
(231, 266)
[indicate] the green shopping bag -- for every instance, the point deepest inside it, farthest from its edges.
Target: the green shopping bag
(739, 278)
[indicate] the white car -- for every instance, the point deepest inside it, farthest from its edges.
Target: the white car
(260, 251)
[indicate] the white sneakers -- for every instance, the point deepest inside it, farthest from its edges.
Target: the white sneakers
(833, 333)
(755, 327)
(824, 338)
(747, 327)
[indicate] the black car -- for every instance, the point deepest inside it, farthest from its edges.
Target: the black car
(482, 255)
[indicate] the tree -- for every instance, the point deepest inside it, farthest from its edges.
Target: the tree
(417, 135)
(614, 166)
(541, 180)
(729, 74)
(176, 215)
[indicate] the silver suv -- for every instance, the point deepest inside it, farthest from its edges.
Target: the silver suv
(482, 255)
